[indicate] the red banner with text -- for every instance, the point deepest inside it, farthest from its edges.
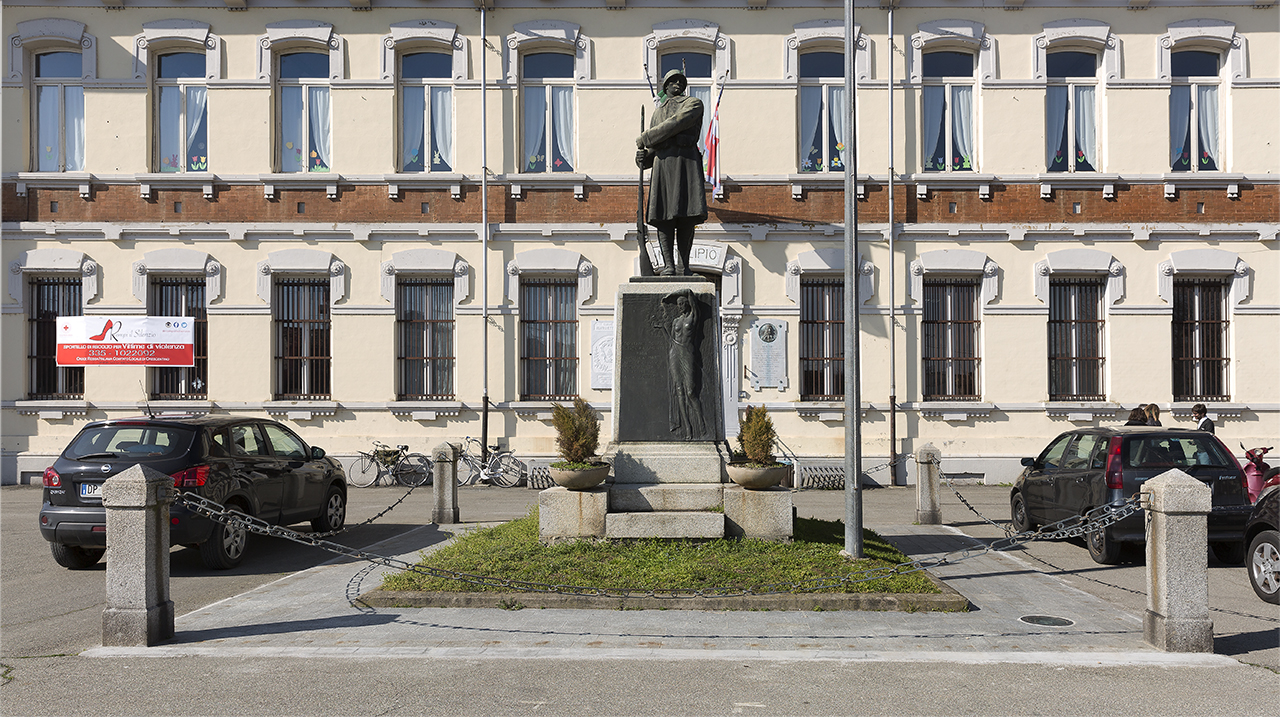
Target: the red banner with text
(127, 340)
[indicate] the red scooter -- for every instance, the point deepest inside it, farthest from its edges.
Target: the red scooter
(1256, 471)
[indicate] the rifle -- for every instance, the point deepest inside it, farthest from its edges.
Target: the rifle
(642, 228)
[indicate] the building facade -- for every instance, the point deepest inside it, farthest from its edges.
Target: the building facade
(1066, 209)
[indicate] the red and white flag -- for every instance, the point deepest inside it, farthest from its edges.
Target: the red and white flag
(712, 143)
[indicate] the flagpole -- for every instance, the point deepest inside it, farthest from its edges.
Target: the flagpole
(853, 328)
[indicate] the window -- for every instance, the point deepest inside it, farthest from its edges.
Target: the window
(182, 132)
(1071, 112)
(696, 67)
(304, 112)
(181, 296)
(426, 112)
(548, 112)
(1193, 111)
(822, 339)
(823, 112)
(59, 121)
(51, 297)
(246, 440)
(1075, 339)
(283, 443)
(302, 338)
(548, 339)
(950, 350)
(948, 111)
(1200, 327)
(424, 331)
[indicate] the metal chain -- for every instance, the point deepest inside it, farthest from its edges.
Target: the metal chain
(1075, 526)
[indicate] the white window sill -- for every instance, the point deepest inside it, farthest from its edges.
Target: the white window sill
(300, 410)
(425, 411)
(956, 411)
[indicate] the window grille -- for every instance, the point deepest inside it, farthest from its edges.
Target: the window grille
(822, 339)
(424, 332)
(1200, 326)
(1075, 340)
(182, 296)
(51, 297)
(302, 338)
(950, 340)
(548, 339)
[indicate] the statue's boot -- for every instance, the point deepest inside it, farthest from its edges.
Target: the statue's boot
(668, 261)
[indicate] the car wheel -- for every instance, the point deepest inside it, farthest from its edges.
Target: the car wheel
(1022, 522)
(1229, 553)
(225, 547)
(1104, 549)
(1264, 565)
(75, 557)
(333, 514)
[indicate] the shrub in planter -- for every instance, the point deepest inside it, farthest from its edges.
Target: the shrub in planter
(577, 438)
(760, 470)
(756, 437)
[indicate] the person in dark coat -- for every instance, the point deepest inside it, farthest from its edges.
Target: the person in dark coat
(1137, 417)
(1201, 414)
(677, 193)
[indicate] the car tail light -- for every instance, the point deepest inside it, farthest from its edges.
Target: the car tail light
(51, 479)
(1115, 468)
(191, 477)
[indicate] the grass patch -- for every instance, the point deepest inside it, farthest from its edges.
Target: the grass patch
(512, 551)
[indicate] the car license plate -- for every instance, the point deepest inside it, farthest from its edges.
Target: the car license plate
(91, 490)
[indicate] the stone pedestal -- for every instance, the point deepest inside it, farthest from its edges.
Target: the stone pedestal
(139, 611)
(766, 514)
(666, 462)
(444, 483)
(1177, 617)
(564, 513)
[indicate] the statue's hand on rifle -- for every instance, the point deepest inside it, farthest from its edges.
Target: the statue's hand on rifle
(642, 155)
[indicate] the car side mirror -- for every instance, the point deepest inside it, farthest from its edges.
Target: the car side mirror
(1028, 462)
(317, 453)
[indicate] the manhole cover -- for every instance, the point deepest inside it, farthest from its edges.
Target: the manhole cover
(1047, 620)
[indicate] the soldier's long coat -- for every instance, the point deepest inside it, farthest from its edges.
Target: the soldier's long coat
(676, 186)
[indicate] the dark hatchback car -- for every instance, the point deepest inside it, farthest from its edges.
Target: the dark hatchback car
(257, 466)
(1083, 469)
(1262, 535)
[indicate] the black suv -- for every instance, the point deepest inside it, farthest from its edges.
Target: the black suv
(256, 466)
(1083, 469)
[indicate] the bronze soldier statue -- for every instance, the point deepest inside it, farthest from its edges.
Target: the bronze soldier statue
(677, 197)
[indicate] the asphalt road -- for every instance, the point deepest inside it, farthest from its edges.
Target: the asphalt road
(46, 609)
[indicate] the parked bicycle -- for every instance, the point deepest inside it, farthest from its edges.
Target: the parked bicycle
(502, 469)
(403, 467)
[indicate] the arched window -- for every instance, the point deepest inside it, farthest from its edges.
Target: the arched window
(300, 58)
(1194, 57)
(948, 57)
(546, 86)
(1071, 114)
(59, 112)
(426, 112)
(823, 111)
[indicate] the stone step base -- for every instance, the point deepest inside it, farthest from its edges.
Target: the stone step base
(667, 524)
(636, 497)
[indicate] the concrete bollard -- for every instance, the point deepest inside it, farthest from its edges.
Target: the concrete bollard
(1177, 617)
(444, 481)
(928, 512)
(139, 611)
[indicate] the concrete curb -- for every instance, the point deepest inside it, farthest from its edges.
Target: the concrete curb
(948, 601)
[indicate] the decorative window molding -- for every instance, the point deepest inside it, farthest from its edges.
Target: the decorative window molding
(303, 261)
(550, 261)
(418, 262)
(963, 35)
(955, 262)
(54, 260)
(1218, 35)
(52, 34)
(291, 34)
(1079, 262)
(828, 261)
(424, 35)
(693, 35)
(1091, 35)
(1204, 262)
(825, 34)
(177, 261)
(164, 35)
(550, 35)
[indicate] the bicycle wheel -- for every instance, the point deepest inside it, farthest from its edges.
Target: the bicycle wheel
(509, 471)
(414, 470)
(364, 472)
(468, 469)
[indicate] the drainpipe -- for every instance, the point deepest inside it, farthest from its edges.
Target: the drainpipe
(484, 237)
(893, 294)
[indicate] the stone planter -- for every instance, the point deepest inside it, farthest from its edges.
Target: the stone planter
(758, 478)
(581, 479)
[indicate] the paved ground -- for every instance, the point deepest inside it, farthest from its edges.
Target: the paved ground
(294, 644)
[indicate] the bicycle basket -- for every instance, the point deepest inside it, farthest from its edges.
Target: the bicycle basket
(386, 455)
